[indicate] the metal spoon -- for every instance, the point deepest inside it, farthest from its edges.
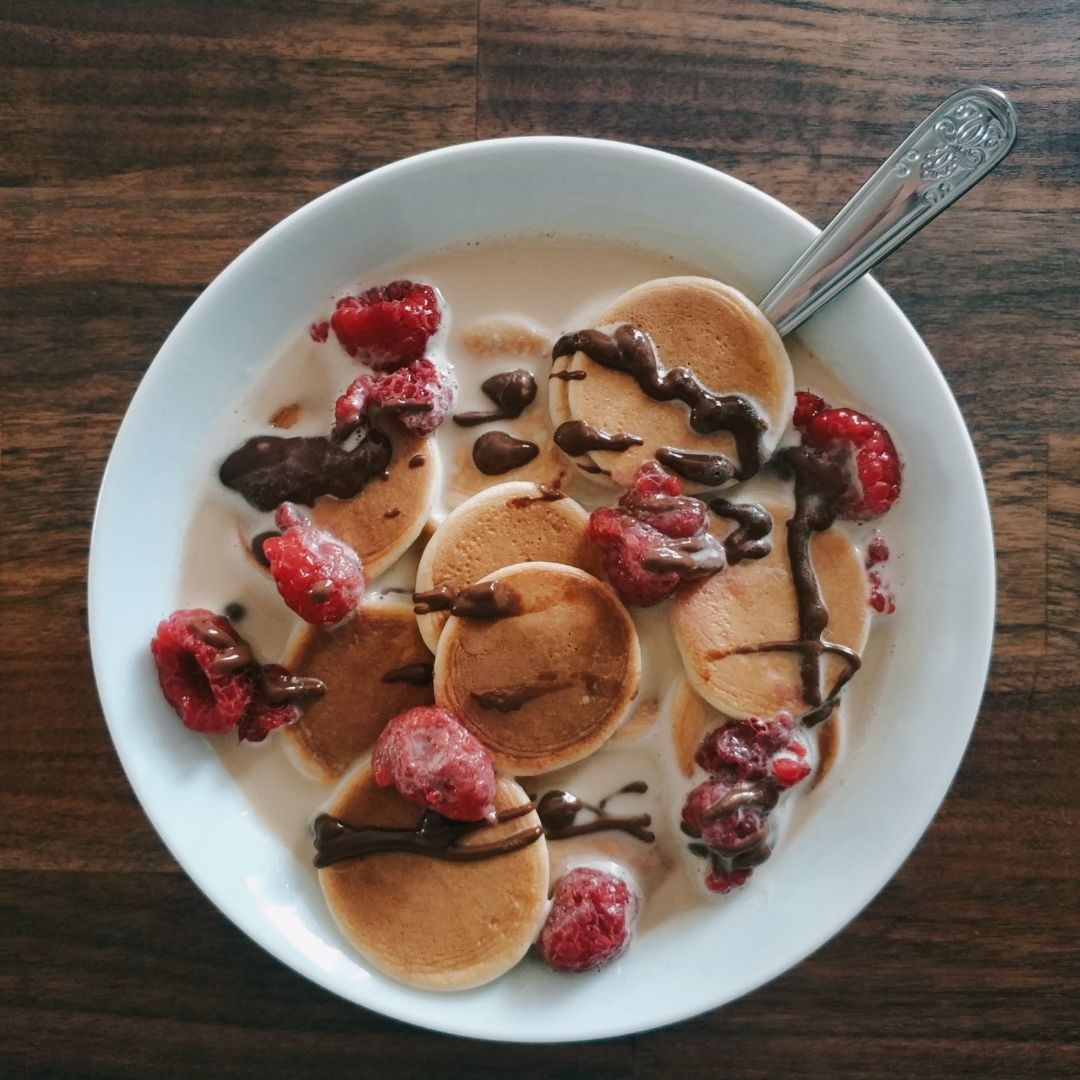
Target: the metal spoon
(961, 141)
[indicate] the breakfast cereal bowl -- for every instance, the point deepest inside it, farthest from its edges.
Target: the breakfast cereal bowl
(909, 713)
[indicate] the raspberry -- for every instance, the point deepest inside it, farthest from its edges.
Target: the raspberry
(788, 771)
(262, 717)
(846, 434)
(434, 761)
(625, 542)
(656, 498)
(742, 749)
(420, 395)
(318, 576)
(351, 406)
(590, 922)
(206, 699)
(881, 597)
(389, 325)
(877, 551)
(718, 882)
(319, 331)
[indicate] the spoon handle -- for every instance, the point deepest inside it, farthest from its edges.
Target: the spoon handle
(961, 141)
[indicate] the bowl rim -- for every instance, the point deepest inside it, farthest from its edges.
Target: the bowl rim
(981, 614)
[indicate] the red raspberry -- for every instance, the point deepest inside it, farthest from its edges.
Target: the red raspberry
(625, 541)
(206, 700)
(742, 748)
(881, 597)
(389, 325)
(718, 882)
(318, 576)
(656, 498)
(591, 918)
(845, 433)
(319, 331)
(351, 407)
(262, 717)
(435, 761)
(877, 551)
(788, 771)
(420, 395)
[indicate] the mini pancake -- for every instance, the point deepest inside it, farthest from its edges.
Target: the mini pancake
(428, 922)
(342, 726)
(546, 686)
(694, 322)
(388, 515)
(754, 602)
(506, 524)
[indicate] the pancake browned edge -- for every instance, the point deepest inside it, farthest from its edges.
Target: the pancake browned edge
(694, 322)
(754, 602)
(506, 524)
(353, 659)
(388, 515)
(427, 922)
(569, 663)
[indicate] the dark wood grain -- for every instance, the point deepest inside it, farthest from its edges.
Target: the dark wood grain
(143, 145)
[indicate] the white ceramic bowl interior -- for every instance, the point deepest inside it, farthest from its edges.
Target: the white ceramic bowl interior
(916, 709)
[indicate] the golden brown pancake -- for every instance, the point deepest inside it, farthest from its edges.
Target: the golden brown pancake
(342, 726)
(427, 922)
(387, 516)
(694, 322)
(506, 524)
(565, 669)
(754, 602)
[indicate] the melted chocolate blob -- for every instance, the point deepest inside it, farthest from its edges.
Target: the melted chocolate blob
(569, 375)
(559, 809)
(689, 556)
(512, 392)
(275, 684)
(751, 539)
(497, 452)
(575, 437)
(257, 547)
(486, 600)
(441, 598)
(270, 469)
(416, 461)
(234, 612)
(419, 674)
(710, 469)
(547, 493)
(631, 351)
(434, 836)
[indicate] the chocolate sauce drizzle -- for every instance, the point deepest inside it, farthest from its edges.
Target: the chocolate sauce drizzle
(576, 437)
(434, 836)
(497, 452)
(630, 350)
(257, 547)
(750, 540)
(546, 493)
(275, 684)
(569, 375)
(271, 469)
(559, 809)
(753, 848)
(422, 673)
(485, 600)
(508, 699)
(689, 556)
(512, 391)
(699, 468)
(819, 485)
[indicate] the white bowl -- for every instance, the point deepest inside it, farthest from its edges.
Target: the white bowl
(916, 708)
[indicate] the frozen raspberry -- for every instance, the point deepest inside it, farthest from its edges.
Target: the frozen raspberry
(625, 542)
(877, 550)
(420, 395)
(701, 801)
(319, 331)
(262, 717)
(318, 576)
(590, 922)
(788, 771)
(207, 699)
(742, 748)
(881, 597)
(718, 882)
(389, 325)
(435, 761)
(845, 434)
(351, 406)
(656, 498)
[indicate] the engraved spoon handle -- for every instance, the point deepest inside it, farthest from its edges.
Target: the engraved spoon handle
(961, 141)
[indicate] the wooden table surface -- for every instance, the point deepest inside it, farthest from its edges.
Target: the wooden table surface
(144, 144)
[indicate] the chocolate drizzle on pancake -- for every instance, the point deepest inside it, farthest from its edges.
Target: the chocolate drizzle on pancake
(508, 699)
(819, 484)
(434, 836)
(441, 598)
(699, 468)
(486, 600)
(270, 469)
(497, 452)
(569, 375)
(559, 810)
(512, 391)
(630, 350)
(750, 539)
(576, 437)
(545, 493)
(419, 674)
(275, 684)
